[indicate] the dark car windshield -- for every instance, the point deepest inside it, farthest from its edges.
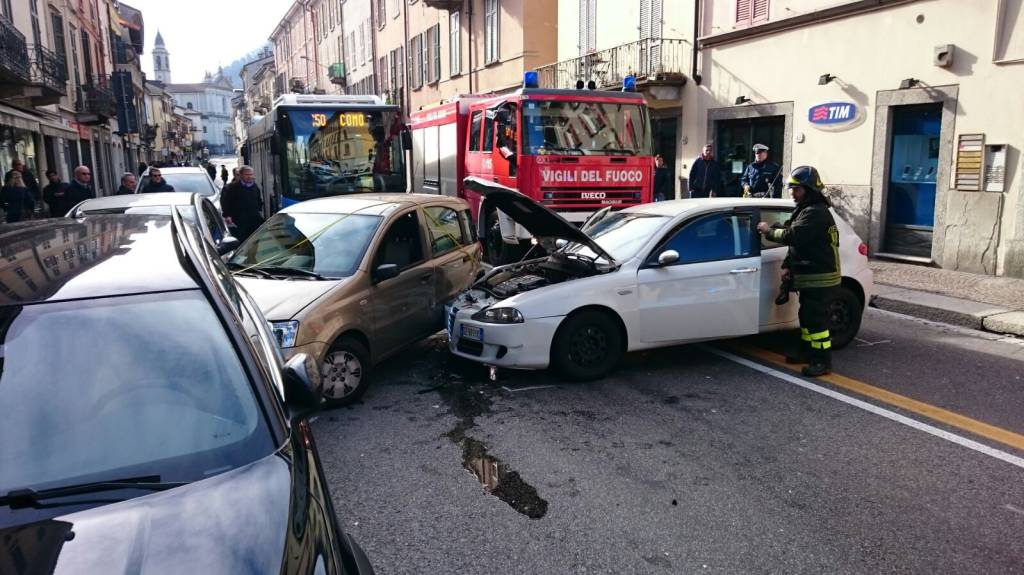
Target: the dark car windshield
(185, 182)
(122, 387)
(330, 245)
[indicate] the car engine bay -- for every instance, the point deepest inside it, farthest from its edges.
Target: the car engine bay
(529, 275)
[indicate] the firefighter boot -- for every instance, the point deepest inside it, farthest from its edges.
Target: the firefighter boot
(820, 364)
(801, 352)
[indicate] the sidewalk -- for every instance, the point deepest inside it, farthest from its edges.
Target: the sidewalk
(987, 303)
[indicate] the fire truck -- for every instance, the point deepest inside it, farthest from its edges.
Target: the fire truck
(574, 151)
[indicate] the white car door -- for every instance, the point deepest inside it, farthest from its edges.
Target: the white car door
(712, 291)
(772, 255)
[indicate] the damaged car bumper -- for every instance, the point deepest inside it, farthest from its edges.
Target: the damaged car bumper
(522, 345)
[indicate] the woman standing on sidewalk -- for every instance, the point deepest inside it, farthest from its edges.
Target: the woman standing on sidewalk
(16, 198)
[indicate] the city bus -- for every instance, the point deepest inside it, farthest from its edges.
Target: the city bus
(312, 146)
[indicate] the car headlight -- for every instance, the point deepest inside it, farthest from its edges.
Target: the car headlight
(499, 315)
(285, 332)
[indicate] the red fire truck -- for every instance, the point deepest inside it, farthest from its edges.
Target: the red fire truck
(575, 151)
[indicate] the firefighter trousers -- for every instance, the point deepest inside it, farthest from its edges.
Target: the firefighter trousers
(814, 322)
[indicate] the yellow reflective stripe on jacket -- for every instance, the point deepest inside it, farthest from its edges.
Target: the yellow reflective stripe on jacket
(828, 279)
(819, 336)
(821, 345)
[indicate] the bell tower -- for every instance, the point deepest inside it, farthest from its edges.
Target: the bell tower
(161, 63)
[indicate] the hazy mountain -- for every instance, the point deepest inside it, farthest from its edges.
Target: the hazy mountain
(232, 70)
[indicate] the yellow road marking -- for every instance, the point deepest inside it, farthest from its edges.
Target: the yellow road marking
(932, 412)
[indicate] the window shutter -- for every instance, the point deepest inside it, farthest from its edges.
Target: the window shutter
(743, 12)
(759, 11)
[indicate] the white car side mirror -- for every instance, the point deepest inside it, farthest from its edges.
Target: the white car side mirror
(668, 257)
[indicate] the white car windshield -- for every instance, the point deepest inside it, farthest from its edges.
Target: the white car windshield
(621, 234)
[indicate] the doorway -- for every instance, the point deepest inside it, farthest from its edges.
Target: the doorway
(734, 140)
(913, 170)
(664, 136)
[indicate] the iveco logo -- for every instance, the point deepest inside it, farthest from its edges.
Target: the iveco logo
(593, 195)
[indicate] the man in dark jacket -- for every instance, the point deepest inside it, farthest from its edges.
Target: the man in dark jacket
(211, 170)
(813, 264)
(27, 176)
(80, 188)
(242, 203)
(705, 175)
(127, 186)
(156, 183)
(662, 180)
(223, 175)
(55, 195)
(761, 178)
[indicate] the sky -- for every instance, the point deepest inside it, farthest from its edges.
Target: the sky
(203, 34)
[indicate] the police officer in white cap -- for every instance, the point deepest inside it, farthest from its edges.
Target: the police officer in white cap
(761, 178)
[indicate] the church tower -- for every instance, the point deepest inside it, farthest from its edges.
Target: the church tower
(161, 63)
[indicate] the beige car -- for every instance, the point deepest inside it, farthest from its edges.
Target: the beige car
(350, 280)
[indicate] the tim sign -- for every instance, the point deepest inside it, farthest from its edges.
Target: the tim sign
(835, 115)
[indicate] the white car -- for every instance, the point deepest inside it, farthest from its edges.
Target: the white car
(644, 277)
(185, 179)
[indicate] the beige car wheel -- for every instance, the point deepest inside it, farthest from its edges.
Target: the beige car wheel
(345, 369)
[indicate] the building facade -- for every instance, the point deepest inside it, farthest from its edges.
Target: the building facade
(909, 109)
(293, 46)
(358, 44)
(212, 100)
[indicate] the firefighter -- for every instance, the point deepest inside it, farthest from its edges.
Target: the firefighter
(761, 177)
(813, 265)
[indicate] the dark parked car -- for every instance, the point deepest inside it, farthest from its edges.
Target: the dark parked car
(149, 425)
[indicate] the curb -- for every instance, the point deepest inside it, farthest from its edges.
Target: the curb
(949, 310)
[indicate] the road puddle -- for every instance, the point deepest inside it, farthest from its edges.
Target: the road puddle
(500, 481)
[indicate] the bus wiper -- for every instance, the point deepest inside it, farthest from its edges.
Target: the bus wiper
(285, 271)
(30, 497)
(246, 269)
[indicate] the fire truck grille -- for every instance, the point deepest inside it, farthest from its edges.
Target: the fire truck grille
(587, 199)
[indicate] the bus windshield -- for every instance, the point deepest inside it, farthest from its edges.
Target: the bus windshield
(331, 151)
(585, 128)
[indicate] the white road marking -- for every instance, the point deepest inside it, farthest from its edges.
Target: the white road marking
(929, 429)
(1014, 508)
(510, 390)
(865, 343)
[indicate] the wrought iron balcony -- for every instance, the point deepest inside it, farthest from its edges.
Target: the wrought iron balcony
(14, 61)
(49, 75)
(95, 103)
(650, 60)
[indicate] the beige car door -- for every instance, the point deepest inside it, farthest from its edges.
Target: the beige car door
(402, 306)
(455, 253)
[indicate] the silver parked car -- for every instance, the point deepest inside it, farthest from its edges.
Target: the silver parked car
(185, 179)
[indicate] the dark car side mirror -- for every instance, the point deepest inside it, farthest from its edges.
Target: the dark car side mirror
(406, 140)
(385, 272)
(227, 245)
(302, 387)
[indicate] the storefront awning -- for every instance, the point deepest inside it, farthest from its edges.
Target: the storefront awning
(18, 119)
(57, 130)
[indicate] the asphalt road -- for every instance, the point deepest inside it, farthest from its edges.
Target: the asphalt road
(688, 460)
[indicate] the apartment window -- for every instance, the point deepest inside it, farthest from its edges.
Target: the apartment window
(396, 8)
(87, 56)
(588, 26)
(352, 56)
(416, 64)
(368, 42)
(434, 55)
(333, 12)
(59, 45)
(382, 69)
(751, 12)
(8, 11)
(491, 54)
(381, 12)
(37, 32)
(454, 44)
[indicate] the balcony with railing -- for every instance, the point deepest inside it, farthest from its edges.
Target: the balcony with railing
(336, 73)
(14, 62)
(443, 4)
(663, 60)
(95, 101)
(49, 76)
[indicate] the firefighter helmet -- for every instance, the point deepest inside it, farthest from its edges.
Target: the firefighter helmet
(807, 177)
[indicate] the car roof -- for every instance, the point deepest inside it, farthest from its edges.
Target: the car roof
(674, 208)
(139, 201)
(62, 259)
(371, 204)
(177, 170)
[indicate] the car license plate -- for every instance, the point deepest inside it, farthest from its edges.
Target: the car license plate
(472, 332)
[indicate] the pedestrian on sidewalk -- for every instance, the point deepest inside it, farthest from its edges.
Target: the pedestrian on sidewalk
(80, 188)
(127, 186)
(55, 195)
(223, 175)
(761, 178)
(242, 203)
(211, 170)
(16, 198)
(705, 175)
(28, 177)
(813, 265)
(662, 180)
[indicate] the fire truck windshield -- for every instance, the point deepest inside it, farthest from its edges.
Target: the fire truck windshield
(585, 128)
(334, 151)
